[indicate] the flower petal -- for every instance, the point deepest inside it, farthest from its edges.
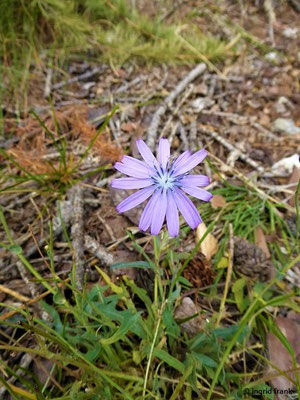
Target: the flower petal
(163, 152)
(172, 215)
(197, 192)
(135, 199)
(159, 213)
(187, 209)
(131, 171)
(133, 162)
(179, 161)
(146, 153)
(147, 214)
(191, 162)
(135, 168)
(195, 180)
(131, 183)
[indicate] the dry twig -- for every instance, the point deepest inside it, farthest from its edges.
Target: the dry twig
(230, 147)
(24, 363)
(81, 77)
(47, 88)
(152, 130)
(13, 293)
(77, 230)
(99, 251)
(175, 112)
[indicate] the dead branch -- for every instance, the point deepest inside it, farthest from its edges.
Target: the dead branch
(193, 135)
(230, 147)
(81, 77)
(77, 235)
(24, 363)
(269, 8)
(47, 88)
(174, 112)
(98, 250)
(152, 130)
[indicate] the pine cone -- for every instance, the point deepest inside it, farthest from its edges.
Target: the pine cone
(251, 261)
(199, 272)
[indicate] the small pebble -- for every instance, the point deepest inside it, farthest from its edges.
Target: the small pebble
(290, 33)
(285, 125)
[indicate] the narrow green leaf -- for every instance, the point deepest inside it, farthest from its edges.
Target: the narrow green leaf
(238, 291)
(170, 360)
(205, 360)
(16, 249)
(126, 326)
(133, 264)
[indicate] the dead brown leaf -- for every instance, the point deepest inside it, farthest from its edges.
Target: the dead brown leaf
(218, 201)
(209, 246)
(187, 309)
(262, 242)
(278, 354)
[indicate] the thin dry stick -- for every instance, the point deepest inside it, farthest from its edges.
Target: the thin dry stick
(12, 293)
(268, 6)
(81, 77)
(128, 85)
(267, 133)
(27, 278)
(228, 275)
(233, 117)
(47, 88)
(173, 133)
(193, 135)
(106, 226)
(98, 250)
(183, 136)
(24, 363)
(9, 314)
(77, 235)
(152, 130)
(114, 129)
(175, 112)
(230, 147)
(262, 194)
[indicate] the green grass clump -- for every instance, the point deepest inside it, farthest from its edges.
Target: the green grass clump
(121, 341)
(47, 32)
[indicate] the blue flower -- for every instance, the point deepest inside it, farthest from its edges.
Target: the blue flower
(167, 182)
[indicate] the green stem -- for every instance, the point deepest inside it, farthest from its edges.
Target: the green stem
(21, 257)
(243, 323)
(151, 350)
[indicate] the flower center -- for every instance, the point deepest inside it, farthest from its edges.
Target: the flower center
(164, 180)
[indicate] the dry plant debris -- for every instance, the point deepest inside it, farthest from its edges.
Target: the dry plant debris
(247, 117)
(279, 355)
(208, 246)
